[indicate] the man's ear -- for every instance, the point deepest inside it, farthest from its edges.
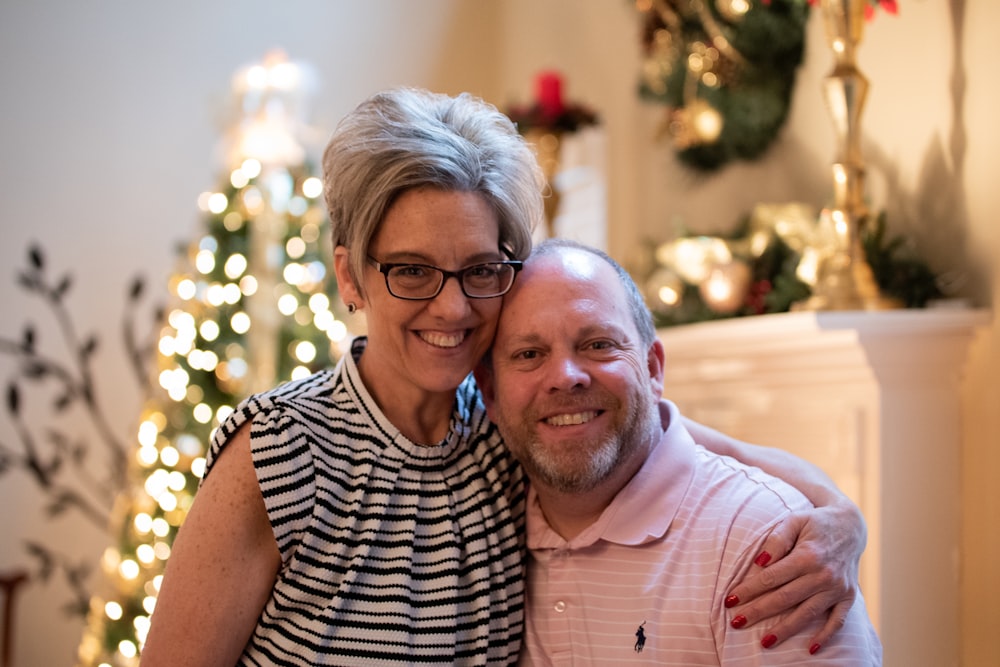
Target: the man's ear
(655, 362)
(483, 372)
(346, 287)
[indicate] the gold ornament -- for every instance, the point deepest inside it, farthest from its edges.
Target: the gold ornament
(725, 289)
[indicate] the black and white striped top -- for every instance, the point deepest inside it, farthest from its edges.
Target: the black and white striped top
(393, 553)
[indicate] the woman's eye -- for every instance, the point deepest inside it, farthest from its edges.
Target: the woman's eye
(410, 271)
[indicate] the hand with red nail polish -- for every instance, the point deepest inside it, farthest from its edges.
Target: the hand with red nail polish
(801, 572)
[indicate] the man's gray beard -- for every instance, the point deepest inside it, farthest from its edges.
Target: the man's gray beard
(581, 479)
(603, 459)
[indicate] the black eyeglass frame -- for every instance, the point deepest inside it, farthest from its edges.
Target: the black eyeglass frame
(459, 275)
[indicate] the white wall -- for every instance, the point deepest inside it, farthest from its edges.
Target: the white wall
(110, 114)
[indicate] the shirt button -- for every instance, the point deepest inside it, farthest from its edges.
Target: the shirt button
(560, 606)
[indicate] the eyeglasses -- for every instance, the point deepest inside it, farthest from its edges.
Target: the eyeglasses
(421, 281)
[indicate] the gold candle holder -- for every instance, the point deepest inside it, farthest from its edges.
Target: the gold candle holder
(845, 280)
(547, 144)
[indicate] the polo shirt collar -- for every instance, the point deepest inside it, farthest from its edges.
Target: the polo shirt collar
(644, 509)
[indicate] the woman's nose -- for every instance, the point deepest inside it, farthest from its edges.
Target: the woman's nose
(451, 301)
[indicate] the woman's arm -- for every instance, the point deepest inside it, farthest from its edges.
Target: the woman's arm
(809, 564)
(220, 572)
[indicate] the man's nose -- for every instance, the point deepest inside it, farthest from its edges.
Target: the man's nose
(567, 373)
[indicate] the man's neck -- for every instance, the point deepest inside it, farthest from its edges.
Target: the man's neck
(571, 513)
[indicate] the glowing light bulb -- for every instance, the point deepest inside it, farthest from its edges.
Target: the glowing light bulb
(170, 456)
(319, 302)
(127, 648)
(235, 266)
(251, 167)
(147, 433)
(337, 331)
(305, 351)
(209, 330)
(113, 610)
(217, 202)
(186, 289)
(147, 456)
(312, 187)
(295, 247)
(129, 569)
(248, 284)
(176, 481)
(240, 322)
(145, 553)
(143, 523)
(294, 273)
(238, 178)
(160, 527)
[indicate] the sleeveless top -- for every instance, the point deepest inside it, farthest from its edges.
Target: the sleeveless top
(392, 552)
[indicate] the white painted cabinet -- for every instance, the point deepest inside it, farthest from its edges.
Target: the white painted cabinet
(874, 399)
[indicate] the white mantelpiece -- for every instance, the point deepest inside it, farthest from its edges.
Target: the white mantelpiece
(873, 398)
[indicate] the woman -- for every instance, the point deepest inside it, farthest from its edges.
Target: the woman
(370, 514)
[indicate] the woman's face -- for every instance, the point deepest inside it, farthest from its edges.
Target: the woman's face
(426, 346)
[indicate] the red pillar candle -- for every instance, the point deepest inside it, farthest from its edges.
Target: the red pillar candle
(548, 89)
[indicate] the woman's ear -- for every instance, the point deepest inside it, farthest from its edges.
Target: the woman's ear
(346, 286)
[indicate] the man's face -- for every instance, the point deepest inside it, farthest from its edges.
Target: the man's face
(574, 391)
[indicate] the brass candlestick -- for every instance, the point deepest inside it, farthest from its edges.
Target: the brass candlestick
(845, 280)
(547, 144)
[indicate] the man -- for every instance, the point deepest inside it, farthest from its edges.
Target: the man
(636, 533)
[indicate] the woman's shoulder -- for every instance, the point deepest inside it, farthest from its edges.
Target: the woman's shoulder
(283, 403)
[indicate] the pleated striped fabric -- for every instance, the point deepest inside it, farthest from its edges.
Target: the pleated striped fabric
(393, 552)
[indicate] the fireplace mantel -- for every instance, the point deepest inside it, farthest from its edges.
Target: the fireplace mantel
(874, 399)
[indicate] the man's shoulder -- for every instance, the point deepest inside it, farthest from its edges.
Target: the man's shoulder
(725, 484)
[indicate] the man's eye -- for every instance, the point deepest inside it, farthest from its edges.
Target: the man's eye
(526, 355)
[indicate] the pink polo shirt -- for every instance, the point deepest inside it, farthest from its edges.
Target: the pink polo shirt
(645, 584)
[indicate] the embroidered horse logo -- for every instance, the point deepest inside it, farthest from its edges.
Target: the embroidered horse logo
(640, 638)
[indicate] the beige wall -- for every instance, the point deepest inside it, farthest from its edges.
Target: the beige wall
(933, 149)
(108, 134)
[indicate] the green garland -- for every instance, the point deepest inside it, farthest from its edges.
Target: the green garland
(750, 85)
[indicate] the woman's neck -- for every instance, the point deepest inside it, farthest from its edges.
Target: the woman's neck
(423, 417)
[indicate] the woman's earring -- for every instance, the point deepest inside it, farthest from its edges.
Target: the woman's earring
(351, 308)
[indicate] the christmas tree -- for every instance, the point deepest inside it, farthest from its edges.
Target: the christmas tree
(251, 307)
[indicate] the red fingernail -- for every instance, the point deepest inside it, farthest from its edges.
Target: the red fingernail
(732, 601)
(763, 559)
(814, 648)
(768, 641)
(738, 621)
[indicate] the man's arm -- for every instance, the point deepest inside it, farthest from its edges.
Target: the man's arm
(809, 563)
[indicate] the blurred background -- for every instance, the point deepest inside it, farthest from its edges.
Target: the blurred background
(113, 118)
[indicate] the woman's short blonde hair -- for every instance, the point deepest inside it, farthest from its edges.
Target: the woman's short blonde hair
(407, 138)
